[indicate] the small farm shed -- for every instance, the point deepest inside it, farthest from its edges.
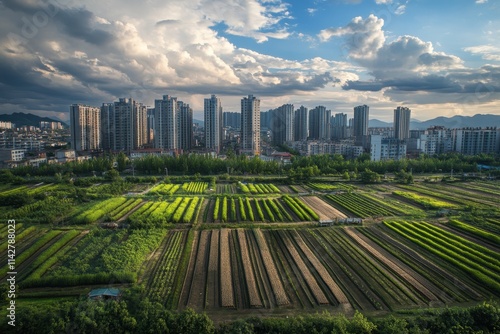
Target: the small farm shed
(105, 293)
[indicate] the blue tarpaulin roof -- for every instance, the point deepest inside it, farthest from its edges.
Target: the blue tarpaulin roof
(110, 292)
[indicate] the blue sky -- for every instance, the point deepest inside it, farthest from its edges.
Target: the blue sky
(436, 57)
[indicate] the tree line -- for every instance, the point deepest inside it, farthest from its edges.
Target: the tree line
(132, 314)
(299, 167)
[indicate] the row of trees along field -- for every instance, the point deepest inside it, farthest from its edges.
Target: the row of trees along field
(134, 315)
(300, 166)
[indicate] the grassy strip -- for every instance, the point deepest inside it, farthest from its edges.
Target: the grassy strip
(85, 279)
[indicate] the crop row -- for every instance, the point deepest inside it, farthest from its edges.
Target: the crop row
(259, 188)
(99, 210)
(156, 214)
(477, 261)
(165, 189)
(361, 205)
(160, 285)
(226, 209)
(475, 231)
(52, 255)
(327, 187)
(304, 212)
(195, 187)
(122, 210)
(427, 202)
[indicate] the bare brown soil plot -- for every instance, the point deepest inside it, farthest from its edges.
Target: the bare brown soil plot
(319, 295)
(393, 266)
(325, 276)
(197, 292)
(285, 190)
(294, 284)
(226, 280)
(323, 209)
(251, 284)
(274, 278)
(213, 272)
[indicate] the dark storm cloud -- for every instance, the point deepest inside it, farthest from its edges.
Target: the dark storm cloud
(288, 84)
(78, 23)
(428, 83)
(465, 81)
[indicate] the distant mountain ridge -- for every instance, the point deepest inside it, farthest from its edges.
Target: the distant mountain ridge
(22, 119)
(476, 121)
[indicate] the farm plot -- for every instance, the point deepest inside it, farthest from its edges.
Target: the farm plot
(474, 231)
(164, 189)
(160, 278)
(375, 287)
(180, 210)
(99, 210)
(248, 269)
(99, 257)
(241, 270)
(363, 206)
(425, 201)
(258, 188)
(474, 261)
(244, 209)
(328, 187)
(453, 195)
(449, 287)
(194, 187)
(324, 210)
(226, 189)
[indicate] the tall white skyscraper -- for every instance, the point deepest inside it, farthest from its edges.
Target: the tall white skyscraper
(361, 118)
(166, 123)
(213, 124)
(85, 125)
(250, 125)
(402, 123)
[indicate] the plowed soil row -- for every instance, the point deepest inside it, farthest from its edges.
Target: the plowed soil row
(323, 209)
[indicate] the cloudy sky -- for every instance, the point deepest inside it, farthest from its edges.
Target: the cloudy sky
(436, 57)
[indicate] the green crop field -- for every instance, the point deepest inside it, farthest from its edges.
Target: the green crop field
(249, 247)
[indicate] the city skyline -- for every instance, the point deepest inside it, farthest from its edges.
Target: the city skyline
(336, 54)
